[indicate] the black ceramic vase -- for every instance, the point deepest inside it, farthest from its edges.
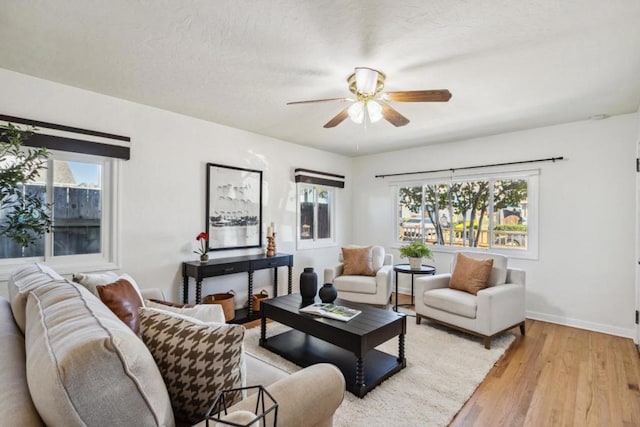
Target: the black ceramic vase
(328, 293)
(308, 284)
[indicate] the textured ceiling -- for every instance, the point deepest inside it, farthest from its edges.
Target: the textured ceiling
(509, 64)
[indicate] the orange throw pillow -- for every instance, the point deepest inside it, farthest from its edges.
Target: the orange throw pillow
(358, 261)
(471, 275)
(123, 299)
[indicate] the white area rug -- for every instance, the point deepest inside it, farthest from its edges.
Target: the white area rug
(443, 370)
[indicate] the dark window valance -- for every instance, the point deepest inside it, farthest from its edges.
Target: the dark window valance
(320, 178)
(74, 143)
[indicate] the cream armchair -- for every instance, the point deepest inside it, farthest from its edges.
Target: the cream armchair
(374, 289)
(495, 309)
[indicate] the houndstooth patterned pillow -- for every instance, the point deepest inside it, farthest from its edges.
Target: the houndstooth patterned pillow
(196, 359)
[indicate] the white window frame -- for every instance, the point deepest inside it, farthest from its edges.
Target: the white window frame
(314, 243)
(533, 185)
(109, 257)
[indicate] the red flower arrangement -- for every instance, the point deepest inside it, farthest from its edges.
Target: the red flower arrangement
(203, 238)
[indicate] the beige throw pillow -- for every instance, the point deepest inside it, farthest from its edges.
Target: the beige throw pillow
(470, 275)
(197, 360)
(201, 312)
(358, 261)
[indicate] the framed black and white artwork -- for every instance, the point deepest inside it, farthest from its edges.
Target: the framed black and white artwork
(234, 207)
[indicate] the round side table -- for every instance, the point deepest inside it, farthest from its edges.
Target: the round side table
(406, 268)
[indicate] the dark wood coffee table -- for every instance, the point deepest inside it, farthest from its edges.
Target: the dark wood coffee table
(348, 345)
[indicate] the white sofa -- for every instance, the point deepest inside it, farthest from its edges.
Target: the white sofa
(495, 309)
(67, 360)
(374, 290)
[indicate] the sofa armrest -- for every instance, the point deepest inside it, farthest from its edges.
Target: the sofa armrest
(308, 397)
(423, 284)
(331, 273)
(153, 293)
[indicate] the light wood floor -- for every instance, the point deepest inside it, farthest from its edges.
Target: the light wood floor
(557, 376)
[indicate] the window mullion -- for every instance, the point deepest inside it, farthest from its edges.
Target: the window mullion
(48, 237)
(316, 216)
(491, 211)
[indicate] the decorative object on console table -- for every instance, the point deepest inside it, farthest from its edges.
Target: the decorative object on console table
(264, 405)
(328, 293)
(308, 284)
(271, 240)
(203, 238)
(271, 245)
(234, 207)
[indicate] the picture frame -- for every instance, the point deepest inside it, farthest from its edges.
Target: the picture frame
(233, 216)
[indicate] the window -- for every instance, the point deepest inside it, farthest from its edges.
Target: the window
(497, 212)
(315, 215)
(82, 191)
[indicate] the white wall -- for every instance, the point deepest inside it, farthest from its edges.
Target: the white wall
(585, 273)
(586, 270)
(163, 185)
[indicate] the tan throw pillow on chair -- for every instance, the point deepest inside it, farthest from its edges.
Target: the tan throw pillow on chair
(470, 275)
(358, 261)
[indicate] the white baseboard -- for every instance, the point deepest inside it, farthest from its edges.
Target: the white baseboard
(582, 324)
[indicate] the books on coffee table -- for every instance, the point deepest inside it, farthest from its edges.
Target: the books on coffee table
(331, 311)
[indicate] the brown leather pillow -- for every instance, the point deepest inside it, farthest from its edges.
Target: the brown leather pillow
(123, 299)
(470, 275)
(358, 261)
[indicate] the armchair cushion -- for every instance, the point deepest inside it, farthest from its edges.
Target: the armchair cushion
(470, 275)
(197, 360)
(359, 284)
(358, 261)
(452, 301)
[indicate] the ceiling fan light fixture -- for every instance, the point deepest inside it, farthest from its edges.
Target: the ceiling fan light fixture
(375, 111)
(356, 112)
(366, 80)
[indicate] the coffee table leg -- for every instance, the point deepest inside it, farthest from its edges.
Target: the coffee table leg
(401, 358)
(263, 330)
(360, 377)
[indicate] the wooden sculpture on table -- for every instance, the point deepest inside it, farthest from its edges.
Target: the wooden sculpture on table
(271, 240)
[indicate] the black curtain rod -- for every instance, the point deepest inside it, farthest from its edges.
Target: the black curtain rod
(550, 159)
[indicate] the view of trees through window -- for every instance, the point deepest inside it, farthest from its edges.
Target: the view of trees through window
(476, 213)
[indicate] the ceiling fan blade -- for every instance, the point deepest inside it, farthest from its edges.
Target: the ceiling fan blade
(339, 118)
(392, 116)
(435, 95)
(320, 100)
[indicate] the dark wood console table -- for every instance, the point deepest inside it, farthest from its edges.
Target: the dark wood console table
(240, 264)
